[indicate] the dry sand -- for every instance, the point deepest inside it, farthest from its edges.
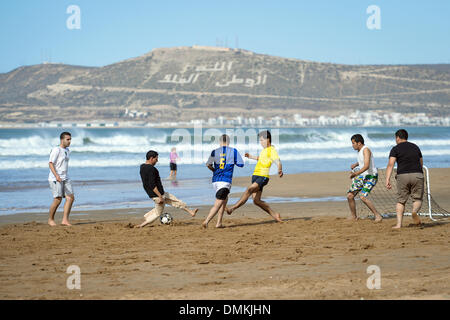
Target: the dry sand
(315, 254)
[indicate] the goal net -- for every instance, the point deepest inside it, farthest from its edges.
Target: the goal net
(385, 200)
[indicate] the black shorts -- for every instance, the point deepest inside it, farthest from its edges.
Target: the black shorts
(173, 166)
(261, 181)
(222, 194)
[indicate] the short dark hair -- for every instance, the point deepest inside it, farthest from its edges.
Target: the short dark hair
(402, 134)
(65, 133)
(151, 154)
(225, 138)
(358, 138)
(265, 135)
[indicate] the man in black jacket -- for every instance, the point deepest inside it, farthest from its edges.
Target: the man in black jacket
(151, 182)
(410, 180)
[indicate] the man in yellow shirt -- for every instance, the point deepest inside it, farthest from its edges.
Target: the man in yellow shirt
(260, 176)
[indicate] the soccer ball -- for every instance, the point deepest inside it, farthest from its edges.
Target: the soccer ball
(165, 218)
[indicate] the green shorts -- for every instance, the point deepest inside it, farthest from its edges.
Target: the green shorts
(364, 184)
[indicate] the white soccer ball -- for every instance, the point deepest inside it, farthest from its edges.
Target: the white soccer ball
(165, 218)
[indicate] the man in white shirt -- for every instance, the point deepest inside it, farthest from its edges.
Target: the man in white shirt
(364, 178)
(59, 181)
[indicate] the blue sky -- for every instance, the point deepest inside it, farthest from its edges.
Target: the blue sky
(412, 32)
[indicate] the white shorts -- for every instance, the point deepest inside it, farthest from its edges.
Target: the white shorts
(61, 189)
(221, 184)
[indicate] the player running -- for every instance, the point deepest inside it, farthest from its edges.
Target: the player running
(221, 162)
(364, 179)
(260, 176)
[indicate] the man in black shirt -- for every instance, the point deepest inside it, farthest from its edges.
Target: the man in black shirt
(151, 182)
(409, 177)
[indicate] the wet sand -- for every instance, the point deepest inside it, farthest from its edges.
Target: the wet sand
(315, 254)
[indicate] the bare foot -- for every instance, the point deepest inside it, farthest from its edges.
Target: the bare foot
(396, 227)
(229, 210)
(277, 217)
(353, 218)
(204, 225)
(416, 219)
(51, 223)
(193, 212)
(378, 219)
(66, 223)
(220, 226)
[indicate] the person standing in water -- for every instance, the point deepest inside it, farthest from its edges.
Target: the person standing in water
(173, 163)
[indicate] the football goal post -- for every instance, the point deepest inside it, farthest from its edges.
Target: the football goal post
(385, 200)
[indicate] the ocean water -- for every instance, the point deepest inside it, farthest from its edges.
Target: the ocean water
(104, 162)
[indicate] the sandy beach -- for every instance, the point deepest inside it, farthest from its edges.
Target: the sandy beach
(315, 254)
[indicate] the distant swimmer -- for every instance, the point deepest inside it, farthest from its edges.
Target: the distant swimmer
(58, 178)
(364, 179)
(260, 176)
(221, 162)
(410, 179)
(151, 182)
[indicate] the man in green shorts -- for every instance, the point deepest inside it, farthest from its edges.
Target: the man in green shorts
(364, 179)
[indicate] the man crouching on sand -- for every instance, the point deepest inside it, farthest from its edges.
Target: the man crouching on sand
(153, 186)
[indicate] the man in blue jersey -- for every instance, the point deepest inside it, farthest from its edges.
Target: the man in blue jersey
(221, 163)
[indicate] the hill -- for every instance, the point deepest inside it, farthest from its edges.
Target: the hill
(183, 83)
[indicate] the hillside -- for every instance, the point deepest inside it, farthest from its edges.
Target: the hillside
(201, 82)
